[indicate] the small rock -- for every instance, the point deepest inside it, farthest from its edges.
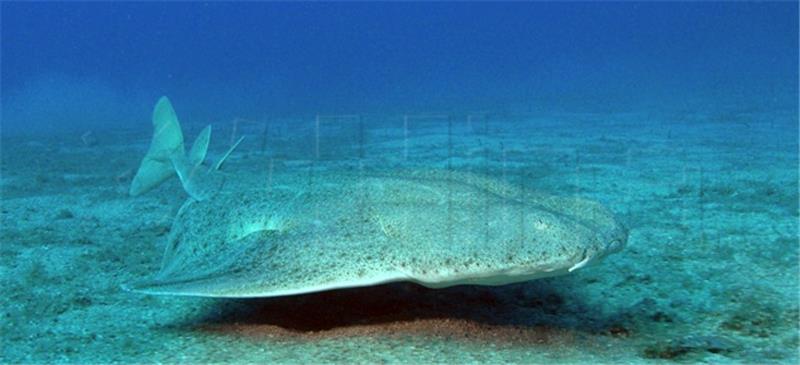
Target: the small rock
(664, 351)
(88, 139)
(124, 177)
(660, 316)
(684, 189)
(161, 230)
(710, 343)
(691, 344)
(83, 241)
(64, 214)
(642, 308)
(618, 331)
(83, 301)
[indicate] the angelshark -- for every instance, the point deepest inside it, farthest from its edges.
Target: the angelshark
(330, 230)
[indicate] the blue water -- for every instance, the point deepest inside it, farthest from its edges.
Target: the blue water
(681, 118)
(226, 59)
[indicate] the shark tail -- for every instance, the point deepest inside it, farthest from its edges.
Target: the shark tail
(166, 155)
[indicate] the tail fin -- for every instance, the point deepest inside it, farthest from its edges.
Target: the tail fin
(167, 152)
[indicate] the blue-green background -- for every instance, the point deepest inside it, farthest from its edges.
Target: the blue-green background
(79, 65)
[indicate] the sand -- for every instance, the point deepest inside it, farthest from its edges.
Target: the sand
(710, 273)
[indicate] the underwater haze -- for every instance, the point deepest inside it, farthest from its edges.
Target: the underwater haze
(381, 161)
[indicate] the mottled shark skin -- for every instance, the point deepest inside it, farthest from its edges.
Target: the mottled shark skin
(312, 230)
(435, 228)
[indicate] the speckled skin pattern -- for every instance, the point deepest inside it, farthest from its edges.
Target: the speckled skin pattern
(327, 230)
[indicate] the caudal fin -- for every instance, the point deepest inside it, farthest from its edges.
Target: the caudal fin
(166, 148)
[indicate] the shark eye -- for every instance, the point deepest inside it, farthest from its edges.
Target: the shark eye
(615, 245)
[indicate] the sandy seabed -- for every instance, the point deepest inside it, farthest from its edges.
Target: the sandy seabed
(710, 273)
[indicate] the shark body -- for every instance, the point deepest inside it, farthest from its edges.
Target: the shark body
(329, 230)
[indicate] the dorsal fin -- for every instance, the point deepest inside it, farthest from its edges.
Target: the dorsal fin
(200, 147)
(167, 157)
